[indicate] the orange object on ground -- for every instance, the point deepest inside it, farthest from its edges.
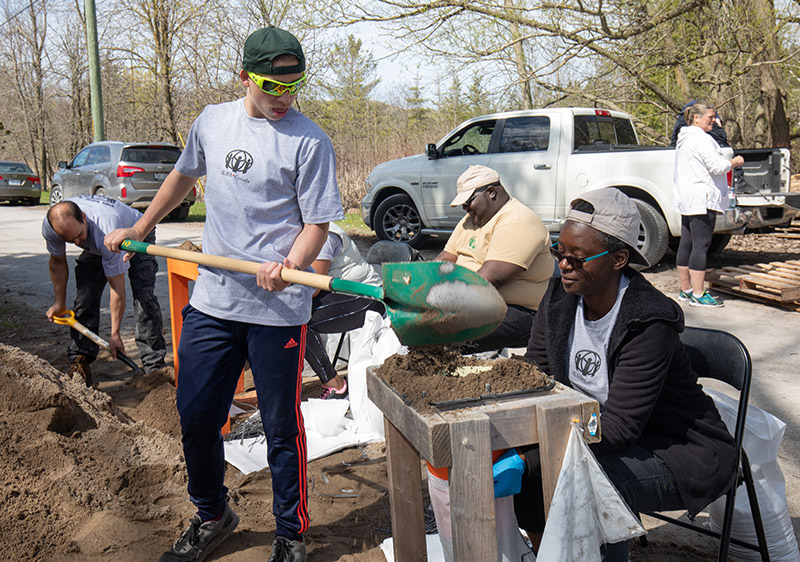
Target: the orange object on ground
(179, 273)
(442, 472)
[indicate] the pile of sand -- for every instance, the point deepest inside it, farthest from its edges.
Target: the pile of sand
(70, 461)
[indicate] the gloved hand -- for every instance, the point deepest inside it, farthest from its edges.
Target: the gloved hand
(507, 473)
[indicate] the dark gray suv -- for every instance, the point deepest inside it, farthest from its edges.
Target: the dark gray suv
(128, 172)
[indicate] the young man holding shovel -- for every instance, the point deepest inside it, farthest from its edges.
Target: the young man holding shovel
(85, 221)
(270, 193)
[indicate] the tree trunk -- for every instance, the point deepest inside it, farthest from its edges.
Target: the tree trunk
(772, 124)
(519, 59)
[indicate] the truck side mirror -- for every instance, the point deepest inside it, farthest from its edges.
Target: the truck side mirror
(431, 152)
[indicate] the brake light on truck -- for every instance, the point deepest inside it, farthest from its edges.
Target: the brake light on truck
(602, 112)
(127, 171)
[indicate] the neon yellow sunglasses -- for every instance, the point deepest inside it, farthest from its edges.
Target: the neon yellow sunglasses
(275, 88)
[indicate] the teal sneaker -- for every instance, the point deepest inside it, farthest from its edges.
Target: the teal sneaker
(705, 300)
(685, 296)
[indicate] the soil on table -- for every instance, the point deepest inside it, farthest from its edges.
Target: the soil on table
(436, 375)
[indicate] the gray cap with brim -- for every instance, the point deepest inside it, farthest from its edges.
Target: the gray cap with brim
(614, 214)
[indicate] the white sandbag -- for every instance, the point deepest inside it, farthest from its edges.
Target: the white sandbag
(511, 547)
(762, 439)
(369, 345)
(586, 510)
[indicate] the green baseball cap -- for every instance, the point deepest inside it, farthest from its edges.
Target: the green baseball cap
(264, 44)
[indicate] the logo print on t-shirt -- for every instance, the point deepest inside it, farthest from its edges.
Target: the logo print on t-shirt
(587, 362)
(239, 161)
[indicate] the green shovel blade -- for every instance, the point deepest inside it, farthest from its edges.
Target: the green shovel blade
(439, 302)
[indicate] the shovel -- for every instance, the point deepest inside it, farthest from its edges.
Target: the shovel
(67, 318)
(428, 302)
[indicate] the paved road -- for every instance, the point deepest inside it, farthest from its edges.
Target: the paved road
(24, 258)
(771, 334)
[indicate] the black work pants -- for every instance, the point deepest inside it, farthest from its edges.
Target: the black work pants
(91, 281)
(640, 477)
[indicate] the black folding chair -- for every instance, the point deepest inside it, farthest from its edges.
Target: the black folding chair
(387, 251)
(383, 251)
(722, 356)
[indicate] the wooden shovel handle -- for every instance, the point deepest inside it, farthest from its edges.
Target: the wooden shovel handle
(306, 278)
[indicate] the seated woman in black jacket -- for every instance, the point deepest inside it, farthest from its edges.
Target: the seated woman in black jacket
(603, 329)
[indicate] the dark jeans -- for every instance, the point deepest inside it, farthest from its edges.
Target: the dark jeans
(696, 233)
(90, 280)
(333, 313)
(642, 479)
(211, 355)
(514, 331)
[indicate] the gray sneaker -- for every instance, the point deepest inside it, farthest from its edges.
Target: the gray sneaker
(284, 550)
(199, 539)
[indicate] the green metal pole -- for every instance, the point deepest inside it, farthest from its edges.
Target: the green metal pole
(95, 83)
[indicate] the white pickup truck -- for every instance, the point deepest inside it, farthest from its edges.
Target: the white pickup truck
(548, 157)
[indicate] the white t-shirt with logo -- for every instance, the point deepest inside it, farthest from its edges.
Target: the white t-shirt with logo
(265, 180)
(587, 350)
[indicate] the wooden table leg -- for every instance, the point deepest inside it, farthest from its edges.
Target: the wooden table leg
(405, 496)
(554, 425)
(472, 490)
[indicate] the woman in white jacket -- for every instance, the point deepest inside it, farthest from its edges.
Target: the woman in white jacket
(701, 192)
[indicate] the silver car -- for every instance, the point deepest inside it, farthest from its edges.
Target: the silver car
(129, 172)
(18, 183)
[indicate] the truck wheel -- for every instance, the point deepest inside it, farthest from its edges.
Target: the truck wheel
(718, 243)
(397, 219)
(653, 232)
(180, 213)
(56, 195)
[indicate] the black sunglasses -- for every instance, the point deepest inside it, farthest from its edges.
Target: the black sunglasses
(574, 263)
(472, 197)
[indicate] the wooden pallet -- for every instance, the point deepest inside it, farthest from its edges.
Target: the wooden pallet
(791, 231)
(776, 283)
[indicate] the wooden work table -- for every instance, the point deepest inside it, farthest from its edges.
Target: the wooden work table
(463, 439)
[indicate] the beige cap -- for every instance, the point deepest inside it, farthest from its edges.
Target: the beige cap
(473, 178)
(614, 214)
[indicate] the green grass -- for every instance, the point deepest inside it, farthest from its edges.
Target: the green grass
(197, 212)
(44, 198)
(8, 323)
(353, 223)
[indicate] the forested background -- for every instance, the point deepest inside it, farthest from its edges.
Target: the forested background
(164, 60)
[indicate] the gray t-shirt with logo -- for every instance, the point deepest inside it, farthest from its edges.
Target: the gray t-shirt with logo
(103, 215)
(264, 181)
(587, 351)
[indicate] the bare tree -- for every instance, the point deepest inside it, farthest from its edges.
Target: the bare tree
(23, 58)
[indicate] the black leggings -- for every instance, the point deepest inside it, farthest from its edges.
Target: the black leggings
(696, 233)
(333, 313)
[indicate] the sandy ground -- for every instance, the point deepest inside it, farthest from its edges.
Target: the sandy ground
(97, 474)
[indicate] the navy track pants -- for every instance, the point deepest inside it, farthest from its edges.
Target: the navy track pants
(212, 354)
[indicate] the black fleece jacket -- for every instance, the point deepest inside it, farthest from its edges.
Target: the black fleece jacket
(654, 398)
